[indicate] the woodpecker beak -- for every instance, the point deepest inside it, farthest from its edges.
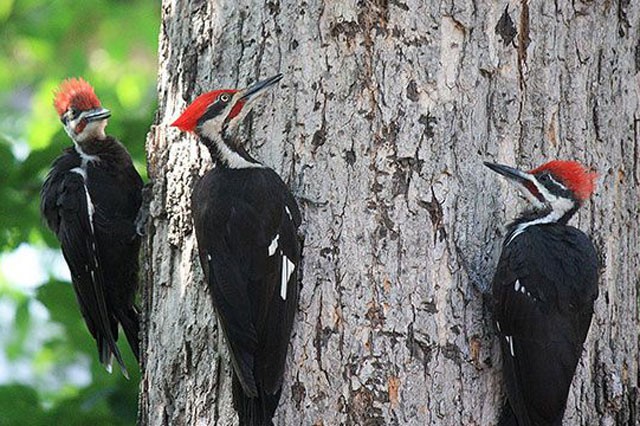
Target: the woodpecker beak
(509, 172)
(97, 114)
(253, 92)
(526, 182)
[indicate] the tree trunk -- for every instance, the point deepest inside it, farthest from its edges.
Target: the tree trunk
(380, 126)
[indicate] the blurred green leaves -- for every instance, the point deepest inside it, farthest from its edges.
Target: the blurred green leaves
(113, 45)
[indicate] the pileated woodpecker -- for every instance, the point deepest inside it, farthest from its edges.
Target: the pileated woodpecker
(246, 222)
(90, 200)
(543, 290)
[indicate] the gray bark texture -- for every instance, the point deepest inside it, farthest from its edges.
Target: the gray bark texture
(380, 126)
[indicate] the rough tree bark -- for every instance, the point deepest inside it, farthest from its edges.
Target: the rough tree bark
(380, 126)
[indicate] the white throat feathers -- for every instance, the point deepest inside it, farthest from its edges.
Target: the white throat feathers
(557, 207)
(213, 131)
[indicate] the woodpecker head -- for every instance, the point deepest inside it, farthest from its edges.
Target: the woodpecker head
(557, 186)
(216, 115)
(79, 110)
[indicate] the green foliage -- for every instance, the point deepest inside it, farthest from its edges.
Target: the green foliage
(113, 45)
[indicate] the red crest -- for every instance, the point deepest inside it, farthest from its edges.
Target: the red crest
(75, 92)
(573, 175)
(189, 118)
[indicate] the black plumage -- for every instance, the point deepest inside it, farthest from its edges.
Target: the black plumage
(543, 292)
(90, 202)
(246, 222)
(544, 289)
(238, 214)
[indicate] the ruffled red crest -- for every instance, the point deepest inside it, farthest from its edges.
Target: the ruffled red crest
(188, 120)
(573, 175)
(75, 92)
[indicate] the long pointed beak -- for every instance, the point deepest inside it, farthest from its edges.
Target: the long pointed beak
(509, 172)
(97, 114)
(254, 91)
(526, 182)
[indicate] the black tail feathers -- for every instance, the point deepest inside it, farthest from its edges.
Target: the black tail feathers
(107, 350)
(257, 411)
(130, 322)
(107, 347)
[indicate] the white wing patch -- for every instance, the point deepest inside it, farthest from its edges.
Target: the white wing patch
(274, 245)
(286, 209)
(90, 209)
(509, 340)
(521, 288)
(286, 270)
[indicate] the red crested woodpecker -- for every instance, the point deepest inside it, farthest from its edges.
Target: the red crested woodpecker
(90, 200)
(543, 291)
(246, 222)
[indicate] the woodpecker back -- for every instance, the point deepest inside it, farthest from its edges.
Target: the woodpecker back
(246, 223)
(90, 200)
(543, 291)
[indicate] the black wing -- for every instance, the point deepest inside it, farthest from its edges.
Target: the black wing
(250, 254)
(543, 290)
(275, 320)
(116, 191)
(68, 211)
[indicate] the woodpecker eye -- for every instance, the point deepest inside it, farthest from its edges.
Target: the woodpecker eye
(224, 98)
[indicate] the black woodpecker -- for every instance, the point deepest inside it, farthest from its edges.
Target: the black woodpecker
(246, 222)
(90, 200)
(543, 292)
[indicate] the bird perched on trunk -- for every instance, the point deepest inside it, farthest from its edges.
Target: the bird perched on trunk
(90, 200)
(246, 222)
(543, 290)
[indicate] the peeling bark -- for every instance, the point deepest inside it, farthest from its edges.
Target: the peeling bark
(380, 127)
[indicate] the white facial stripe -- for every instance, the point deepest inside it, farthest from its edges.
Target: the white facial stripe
(557, 183)
(542, 189)
(528, 195)
(211, 129)
(559, 207)
(233, 159)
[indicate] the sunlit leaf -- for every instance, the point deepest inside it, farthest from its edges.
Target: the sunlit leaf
(129, 90)
(5, 9)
